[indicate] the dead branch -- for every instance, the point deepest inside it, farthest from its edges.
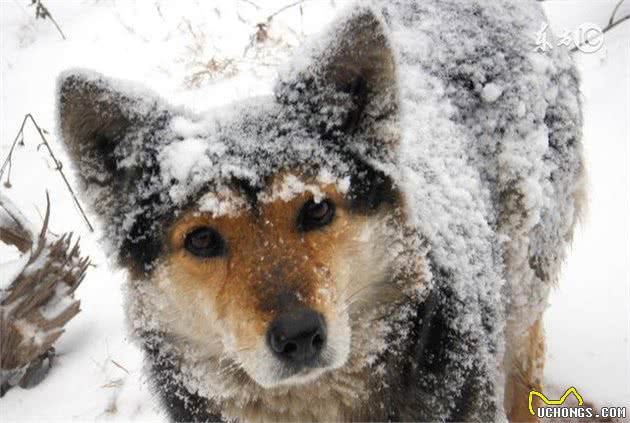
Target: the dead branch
(19, 140)
(282, 9)
(120, 366)
(611, 24)
(251, 3)
(38, 299)
(614, 12)
(42, 12)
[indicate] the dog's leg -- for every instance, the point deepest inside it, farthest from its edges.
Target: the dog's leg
(524, 365)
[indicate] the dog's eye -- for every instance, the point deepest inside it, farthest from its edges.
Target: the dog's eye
(315, 215)
(204, 242)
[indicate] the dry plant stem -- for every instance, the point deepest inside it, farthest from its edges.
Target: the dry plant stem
(37, 304)
(57, 26)
(611, 24)
(612, 16)
(282, 9)
(251, 3)
(43, 12)
(14, 232)
(262, 34)
(58, 165)
(606, 29)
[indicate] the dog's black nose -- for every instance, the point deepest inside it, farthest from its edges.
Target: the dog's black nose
(298, 336)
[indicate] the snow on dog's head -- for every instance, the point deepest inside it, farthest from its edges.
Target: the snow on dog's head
(254, 233)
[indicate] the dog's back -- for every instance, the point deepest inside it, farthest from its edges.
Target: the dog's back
(492, 125)
(492, 114)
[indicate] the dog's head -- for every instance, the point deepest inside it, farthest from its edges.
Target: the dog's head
(258, 233)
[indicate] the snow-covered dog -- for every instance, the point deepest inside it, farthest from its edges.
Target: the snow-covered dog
(374, 242)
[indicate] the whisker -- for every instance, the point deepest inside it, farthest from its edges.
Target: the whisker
(350, 300)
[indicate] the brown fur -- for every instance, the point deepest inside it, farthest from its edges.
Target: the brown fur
(524, 366)
(271, 264)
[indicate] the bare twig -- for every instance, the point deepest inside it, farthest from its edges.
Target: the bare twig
(41, 240)
(282, 9)
(42, 12)
(251, 3)
(612, 16)
(19, 139)
(119, 366)
(159, 10)
(113, 384)
(604, 30)
(262, 28)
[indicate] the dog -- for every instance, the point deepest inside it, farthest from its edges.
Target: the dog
(373, 242)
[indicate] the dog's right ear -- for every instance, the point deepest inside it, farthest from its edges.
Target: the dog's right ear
(345, 87)
(98, 123)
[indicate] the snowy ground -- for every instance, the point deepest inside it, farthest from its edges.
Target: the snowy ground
(188, 53)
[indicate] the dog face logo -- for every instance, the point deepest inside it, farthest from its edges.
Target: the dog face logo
(258, 236)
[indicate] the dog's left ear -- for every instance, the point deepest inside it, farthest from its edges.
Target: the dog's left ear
(106, 130)
(113, 134)
(350, 85)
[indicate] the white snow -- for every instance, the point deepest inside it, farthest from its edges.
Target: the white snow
(11, 268)
(289, 187)
(491, 92)
(168, 46)
(56, 305)
(588, 319)
(12, 260)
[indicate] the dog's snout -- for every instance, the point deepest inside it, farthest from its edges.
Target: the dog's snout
(298, 336)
